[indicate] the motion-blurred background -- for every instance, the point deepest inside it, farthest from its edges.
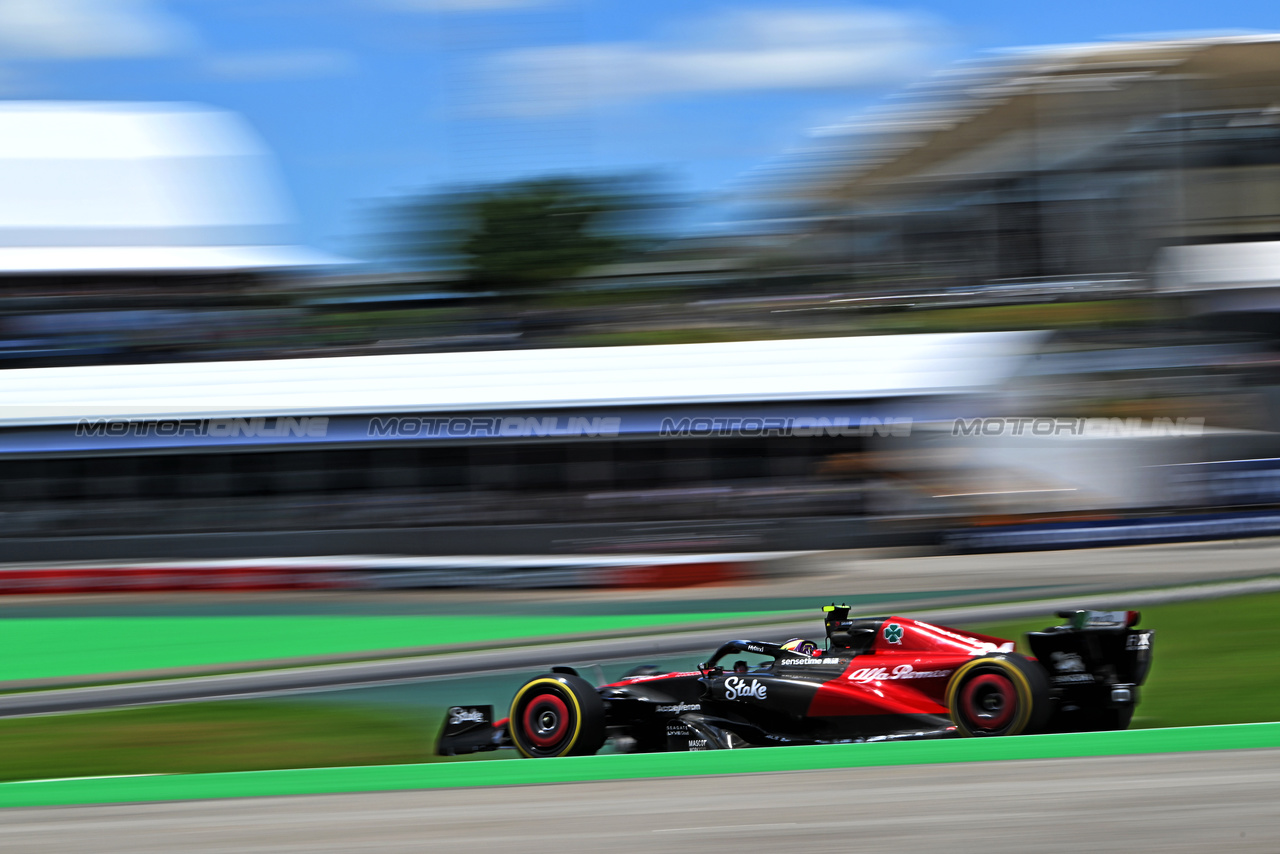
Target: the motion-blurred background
(547, 278)
(404, 348)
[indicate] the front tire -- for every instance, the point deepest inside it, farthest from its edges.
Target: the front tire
(998, 695)
(557, 715)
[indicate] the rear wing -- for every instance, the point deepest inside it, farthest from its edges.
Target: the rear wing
(1094, 646)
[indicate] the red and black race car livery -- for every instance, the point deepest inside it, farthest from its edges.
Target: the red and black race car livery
(876, 679)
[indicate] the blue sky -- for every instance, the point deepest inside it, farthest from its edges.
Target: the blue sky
(365, 100)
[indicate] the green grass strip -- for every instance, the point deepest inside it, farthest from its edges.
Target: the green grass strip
(87, 646)
(596, 768)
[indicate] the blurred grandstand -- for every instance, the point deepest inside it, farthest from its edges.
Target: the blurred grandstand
(1124, 198)
(745, 446)
(1084, 172)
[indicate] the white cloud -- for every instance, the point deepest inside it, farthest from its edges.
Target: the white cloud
(740, 51)
(89, 29)
(289, 64)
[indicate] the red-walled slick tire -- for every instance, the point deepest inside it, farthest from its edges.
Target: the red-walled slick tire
(557, 715)
(998, 695)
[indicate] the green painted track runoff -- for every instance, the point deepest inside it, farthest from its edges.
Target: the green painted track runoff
(309, 781)
(89, 646)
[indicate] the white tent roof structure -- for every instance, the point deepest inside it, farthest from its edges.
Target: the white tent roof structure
(749, 371)
(1219, 266)
(127, 187)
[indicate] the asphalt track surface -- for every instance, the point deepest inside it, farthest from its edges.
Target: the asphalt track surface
(816, 576)
(822, 575)
(1172, 803)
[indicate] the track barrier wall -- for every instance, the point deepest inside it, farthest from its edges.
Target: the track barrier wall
(364, 575)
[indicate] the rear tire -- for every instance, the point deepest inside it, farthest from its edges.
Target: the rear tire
(998, 695)
(557, 715)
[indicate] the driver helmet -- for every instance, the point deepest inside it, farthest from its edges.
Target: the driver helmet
(801, 646)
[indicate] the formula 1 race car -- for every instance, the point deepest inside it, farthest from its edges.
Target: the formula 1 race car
(877, 679)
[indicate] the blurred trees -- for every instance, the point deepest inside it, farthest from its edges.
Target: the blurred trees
(528, 235)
